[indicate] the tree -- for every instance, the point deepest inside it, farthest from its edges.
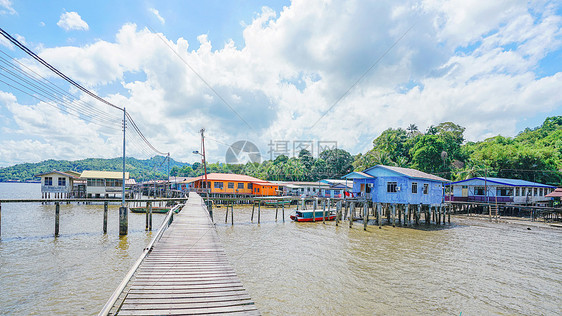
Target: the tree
(426, 155)
(338, 162)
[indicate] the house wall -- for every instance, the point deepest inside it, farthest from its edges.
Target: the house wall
(526, 193)
(54, 187)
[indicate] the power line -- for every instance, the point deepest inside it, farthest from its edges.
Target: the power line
(202, 79)
(362, 76)
(53, 97)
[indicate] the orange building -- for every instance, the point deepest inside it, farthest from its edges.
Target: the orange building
(229, 183)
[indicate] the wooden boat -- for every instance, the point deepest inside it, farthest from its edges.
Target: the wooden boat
(307, 215)
(155, 209)
(276, 202)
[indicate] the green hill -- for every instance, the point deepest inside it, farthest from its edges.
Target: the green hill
(153, 168)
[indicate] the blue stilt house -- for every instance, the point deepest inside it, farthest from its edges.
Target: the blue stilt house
(387, 184)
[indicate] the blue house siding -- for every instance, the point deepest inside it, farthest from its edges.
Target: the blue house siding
(380, 176)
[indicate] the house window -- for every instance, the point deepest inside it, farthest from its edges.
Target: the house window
(517, 190)
(536, 192)
(231, 185)
(425, 188)
(240, 185)
(217, 185)
(503, 191)
(479, 191)
(414, 187)
(48, 180)
(392, 187)
(62, 182)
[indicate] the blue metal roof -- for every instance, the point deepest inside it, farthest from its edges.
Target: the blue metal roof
(357, 175)
(510, 182)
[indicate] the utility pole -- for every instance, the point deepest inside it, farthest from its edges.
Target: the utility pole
(123, 220)
(204, 160)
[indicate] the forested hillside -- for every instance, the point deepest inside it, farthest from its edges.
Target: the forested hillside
(153, 168)
(534, 155)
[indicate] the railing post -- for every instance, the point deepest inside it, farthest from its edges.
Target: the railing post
(57, 214)
(105, 206)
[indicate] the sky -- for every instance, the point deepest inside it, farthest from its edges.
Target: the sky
(282, 75)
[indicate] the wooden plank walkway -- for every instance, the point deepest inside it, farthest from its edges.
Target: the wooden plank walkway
(187, 272)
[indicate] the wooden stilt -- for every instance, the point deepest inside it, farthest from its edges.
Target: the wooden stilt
(379, 215)
(314, 210)
(232, 213)
(338, 212)
(259, 212)
(283, 211)
(276, 210)
(406, 215)
(351, 212)
(226, 215)
(57, 214)
(105, 207)
(393, 215)
(323, 211)
(254, 206)
(365, 215)
(449, 214)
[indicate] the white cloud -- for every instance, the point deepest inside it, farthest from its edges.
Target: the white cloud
(471, 63)
(157, 14)
(6, 7)
(72, 21)
(41, 24)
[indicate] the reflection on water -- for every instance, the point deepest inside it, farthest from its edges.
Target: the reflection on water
(312, 268)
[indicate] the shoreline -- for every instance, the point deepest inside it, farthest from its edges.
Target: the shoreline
(510, 220)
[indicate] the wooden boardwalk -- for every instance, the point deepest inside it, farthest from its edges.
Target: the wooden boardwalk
(187, 272)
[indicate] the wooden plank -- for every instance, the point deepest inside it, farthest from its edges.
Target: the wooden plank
(199, 311)
(187, 272)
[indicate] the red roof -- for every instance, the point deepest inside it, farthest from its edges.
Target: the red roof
(233, 178)
(555, 193)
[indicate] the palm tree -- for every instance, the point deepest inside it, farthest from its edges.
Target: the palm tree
(412, 130)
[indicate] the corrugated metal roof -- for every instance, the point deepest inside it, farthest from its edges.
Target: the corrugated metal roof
(555, 193)
(357, 175)
(412, 173)
(57, 172)
(232, 177)
(94, 174)
(510, 182)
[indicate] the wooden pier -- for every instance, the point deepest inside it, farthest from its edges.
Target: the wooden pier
(185, 271)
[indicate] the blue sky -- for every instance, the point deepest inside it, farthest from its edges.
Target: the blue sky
(278, 72)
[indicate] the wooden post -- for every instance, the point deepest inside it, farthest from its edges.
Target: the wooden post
(407, 215)
(303, 204)
(417, 214)
(210, 209)
(253, 207)
(105, 206)
(57, 214)
(379, 215)
(226, 215)
(123, 221)
(338, 212)
(232, 213)
(351, 212)
(149, 210)
(399, 214)
(393, 215)
(346, 208)
(365, 215)
(259, 212)
(146, 216)
(490, 212)
(323, 211)
(449, 214)
(283, 211)
(276, 209)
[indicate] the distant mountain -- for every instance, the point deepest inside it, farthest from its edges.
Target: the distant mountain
(153, 168)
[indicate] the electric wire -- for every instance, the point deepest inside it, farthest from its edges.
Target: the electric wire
(72, 82)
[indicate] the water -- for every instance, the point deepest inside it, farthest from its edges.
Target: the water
(473, 268)
(73, 274)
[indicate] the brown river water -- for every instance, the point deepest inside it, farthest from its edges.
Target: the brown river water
(471, 267)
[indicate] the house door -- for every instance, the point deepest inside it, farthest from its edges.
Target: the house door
(464, 190)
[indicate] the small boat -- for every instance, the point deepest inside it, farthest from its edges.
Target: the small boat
(276, 202)
(155, 209)
(307, 215)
